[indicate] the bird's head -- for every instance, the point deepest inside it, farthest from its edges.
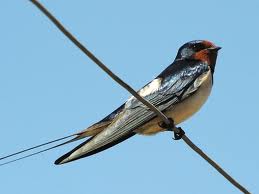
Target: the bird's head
(202, 50)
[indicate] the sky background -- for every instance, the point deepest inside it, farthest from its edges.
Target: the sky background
(49, 89)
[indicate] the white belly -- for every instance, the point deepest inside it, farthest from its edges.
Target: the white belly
(183, 110)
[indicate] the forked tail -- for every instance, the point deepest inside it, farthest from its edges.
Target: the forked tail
(76, 136)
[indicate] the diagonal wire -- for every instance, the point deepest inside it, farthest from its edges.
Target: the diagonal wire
(98, 62)
(214, 164)
(137, 96)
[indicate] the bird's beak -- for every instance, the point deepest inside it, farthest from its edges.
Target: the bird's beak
(216, 48)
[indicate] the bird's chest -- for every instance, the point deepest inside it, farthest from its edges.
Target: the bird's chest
(184, 109)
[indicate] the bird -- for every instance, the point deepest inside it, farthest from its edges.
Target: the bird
(179, 92)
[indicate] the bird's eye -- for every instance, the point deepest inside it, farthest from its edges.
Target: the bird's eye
(198, 47)
(195, 46)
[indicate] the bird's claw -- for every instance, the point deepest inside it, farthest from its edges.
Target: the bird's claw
(177, 135)
(167, 126)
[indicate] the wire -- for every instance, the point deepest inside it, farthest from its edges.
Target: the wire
(98, 62)
(214, 164)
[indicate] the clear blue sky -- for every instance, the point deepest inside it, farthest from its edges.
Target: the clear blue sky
(50, 89)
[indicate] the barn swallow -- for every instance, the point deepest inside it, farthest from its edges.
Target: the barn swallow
(179, 91)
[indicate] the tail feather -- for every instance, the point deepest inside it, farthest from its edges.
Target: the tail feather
(35, 153)
(91, 131)
(94, 129)
(38, 146)
(64, 159)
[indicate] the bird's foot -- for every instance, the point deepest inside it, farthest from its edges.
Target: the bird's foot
(170, 127)
(178, 135)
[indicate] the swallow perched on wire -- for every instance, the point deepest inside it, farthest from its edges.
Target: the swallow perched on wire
(179, 92)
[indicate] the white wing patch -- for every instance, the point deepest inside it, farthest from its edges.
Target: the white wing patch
(148, 89)
(151, 87)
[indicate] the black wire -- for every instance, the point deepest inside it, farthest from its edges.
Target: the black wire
(99, 63)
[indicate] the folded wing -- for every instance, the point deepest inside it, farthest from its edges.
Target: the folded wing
(133, 113)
